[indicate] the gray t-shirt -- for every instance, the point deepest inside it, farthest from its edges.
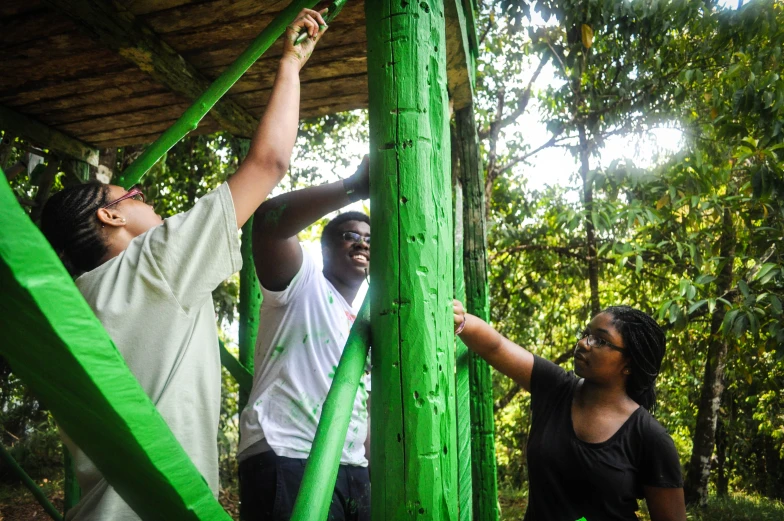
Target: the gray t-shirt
(155, 301)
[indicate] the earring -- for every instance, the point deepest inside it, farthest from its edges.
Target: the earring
(626, 371)
(123, 221)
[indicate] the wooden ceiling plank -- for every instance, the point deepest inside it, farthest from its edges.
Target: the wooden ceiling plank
(47, 137)
(120, 31)
(138, 117)
(28, 28)
(84, 85)
(198, 14)
(219, 55)
(154, 101)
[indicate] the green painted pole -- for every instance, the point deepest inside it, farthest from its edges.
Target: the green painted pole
(477, 303)
(414, 447)
(28, 482)
(250, 298)
(462, 387)
(321, 470)
(71, 490)
(191, 117)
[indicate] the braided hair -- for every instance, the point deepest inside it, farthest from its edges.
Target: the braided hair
(645, 342)
(69, 223)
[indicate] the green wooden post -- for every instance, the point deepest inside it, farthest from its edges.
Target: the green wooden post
(477, 303)
(321, 471)
(57, 346)
(28, 482)
(462, 379)
(413, 448)
(191, 117)
(71, 490)
(250, 298)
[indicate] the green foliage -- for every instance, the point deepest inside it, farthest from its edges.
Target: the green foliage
(738, 508)
(715, 74)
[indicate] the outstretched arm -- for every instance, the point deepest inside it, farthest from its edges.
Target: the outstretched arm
(270, 150)
(276, 250)
(500, 352)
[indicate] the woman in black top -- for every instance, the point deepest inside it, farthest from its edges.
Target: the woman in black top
(594, 447)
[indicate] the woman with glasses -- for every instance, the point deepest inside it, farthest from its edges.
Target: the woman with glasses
(593, 449)
(150, 281)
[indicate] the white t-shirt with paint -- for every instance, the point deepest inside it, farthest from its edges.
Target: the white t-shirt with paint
(302, 332)
(155, 301)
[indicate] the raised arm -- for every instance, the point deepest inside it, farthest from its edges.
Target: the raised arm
(276, 250)
(270, 150)
(500, 352)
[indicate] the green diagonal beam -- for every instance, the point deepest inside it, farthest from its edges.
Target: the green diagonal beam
(321, 471)
(191, 117)
(235, 368)
(59, 349)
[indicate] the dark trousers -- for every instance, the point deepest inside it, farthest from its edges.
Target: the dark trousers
(269, 486)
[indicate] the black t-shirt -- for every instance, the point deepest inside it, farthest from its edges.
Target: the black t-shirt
(570, 479)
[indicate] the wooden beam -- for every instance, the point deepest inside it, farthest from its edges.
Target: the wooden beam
(414, 441)
(118, 29)
(461, 51)
(47, 137)
(484, 480)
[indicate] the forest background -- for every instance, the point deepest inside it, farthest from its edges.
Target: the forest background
(633, 154)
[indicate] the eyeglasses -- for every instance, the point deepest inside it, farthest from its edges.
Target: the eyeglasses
(133, 193)
(355, 237)
(594, 341)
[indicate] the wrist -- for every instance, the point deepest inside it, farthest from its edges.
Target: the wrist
(350, 188)
(290, 60)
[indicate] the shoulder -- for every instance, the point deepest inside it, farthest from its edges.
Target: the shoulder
(547, 373)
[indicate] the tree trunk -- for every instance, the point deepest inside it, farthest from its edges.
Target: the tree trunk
(590, 231)
(698, 470)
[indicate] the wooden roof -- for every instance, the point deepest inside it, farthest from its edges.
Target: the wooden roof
(58, 69)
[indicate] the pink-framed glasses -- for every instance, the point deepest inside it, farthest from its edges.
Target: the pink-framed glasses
(133, 193)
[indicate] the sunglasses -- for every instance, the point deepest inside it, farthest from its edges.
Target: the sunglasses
(355, 237)
(133, 193)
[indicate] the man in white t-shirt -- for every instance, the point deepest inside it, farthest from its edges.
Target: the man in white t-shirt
(305, 320)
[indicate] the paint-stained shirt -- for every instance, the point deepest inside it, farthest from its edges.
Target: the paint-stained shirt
(570, 479)
(155, 301)
(302, 332)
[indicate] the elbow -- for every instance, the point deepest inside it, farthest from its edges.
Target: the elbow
(270, 163)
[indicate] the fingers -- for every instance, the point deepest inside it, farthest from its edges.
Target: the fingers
(310, 20)
(458, 314)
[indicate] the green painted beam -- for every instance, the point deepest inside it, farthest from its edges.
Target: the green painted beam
(190, 119)
(46, 137)
(462, 387)
(321, 470)
(250, 297)
(235, 367)
(116, 28)
(461, 58)
(475, 260)
(28, 482)
(414, 447)
(58, 348)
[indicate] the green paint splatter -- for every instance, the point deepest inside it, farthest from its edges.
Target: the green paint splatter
(331, 300)
(278, 350)
(273, 215)
(304, 339)
(331, 375)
